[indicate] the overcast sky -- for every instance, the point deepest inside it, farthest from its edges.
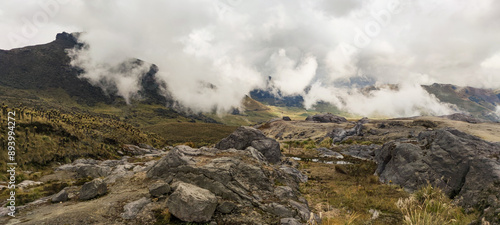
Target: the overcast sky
(212, 53)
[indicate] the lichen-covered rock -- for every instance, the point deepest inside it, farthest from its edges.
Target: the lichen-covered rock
(93, 189)
(464, 166)
(244, 137)
(191, 203)
(61, 196)
(241, 182)
(159, 189)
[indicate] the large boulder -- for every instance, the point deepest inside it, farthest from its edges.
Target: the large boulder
(244, 137)
(61, 196)
(191, 203)
(93, 189)
(365, 152)
(326, 118)
(339, 134)
(465, 167)
(158, 189)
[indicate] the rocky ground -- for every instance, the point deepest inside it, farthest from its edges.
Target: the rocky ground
(456, 153)
(243, 182)
(246, 179)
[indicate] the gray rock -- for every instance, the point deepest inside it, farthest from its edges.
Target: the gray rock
(226, 207)
(133, 208)
(92, 171)
(191, 203)
(302, 210)
(362, 151)
(243, 137)
(240, 139)
(286, 118)
(290, 221)
(145, 146)
(462, 165)
(295, 173)
(284, 192)
(159, 189)
(326, 118)
(324, 152)
(93, 189)
(280, 210)
(234, 176)
(135, 150)
(61, 196)
(270, 148)
(256, 154)
(339, 134)
(119, 172)
(174, 158)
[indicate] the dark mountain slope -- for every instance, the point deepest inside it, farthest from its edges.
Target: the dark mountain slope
(47, 66)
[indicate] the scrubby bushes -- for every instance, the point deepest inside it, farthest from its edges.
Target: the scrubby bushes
(430, 206)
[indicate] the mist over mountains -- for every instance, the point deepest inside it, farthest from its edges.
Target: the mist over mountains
(49, 66)
(210, 55)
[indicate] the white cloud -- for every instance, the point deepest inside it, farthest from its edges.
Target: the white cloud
(292, 77)
(211, 53)
(387, 101)
(492, 63)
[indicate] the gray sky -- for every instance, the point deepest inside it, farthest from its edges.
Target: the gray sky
(235, 45)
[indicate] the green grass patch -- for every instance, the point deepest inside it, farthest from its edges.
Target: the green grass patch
(193, 134)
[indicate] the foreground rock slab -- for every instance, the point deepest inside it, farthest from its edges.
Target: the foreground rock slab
(191, 203)
(464, 166)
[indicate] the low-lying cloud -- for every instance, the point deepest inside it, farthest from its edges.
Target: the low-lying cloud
(385, 101)
(210, 54)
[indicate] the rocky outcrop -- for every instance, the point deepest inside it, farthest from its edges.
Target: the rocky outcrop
(465, 167)
(93, 189)
(464, 118)
(327, 153)
(287, 118)
(339, 134)
(239, 181)
(326, 118)
(365, 152)
(245, 137)
(191, 203)
(61, 196)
